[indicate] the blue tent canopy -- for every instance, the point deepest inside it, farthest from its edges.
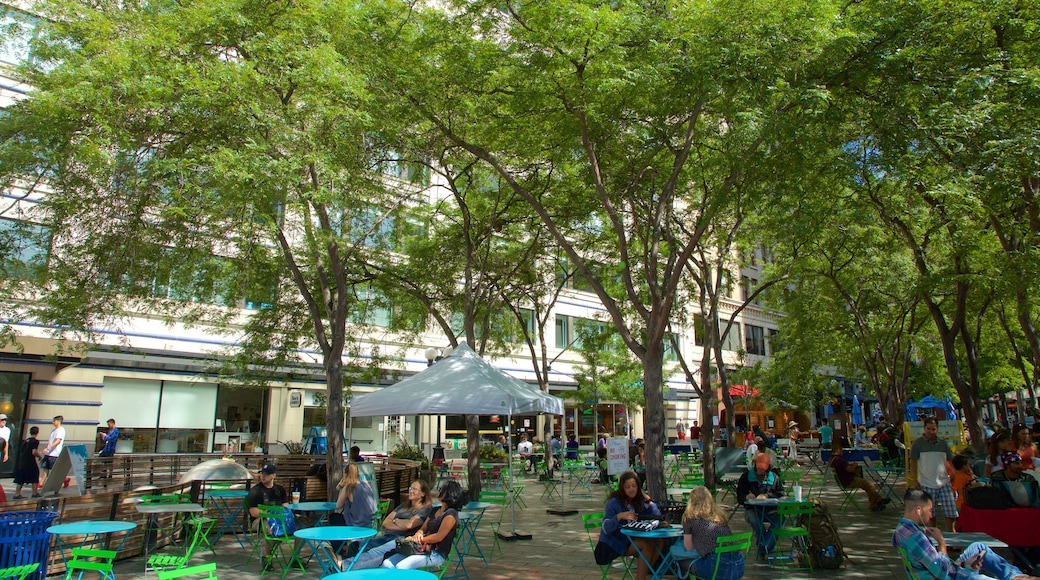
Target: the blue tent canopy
(929, 405)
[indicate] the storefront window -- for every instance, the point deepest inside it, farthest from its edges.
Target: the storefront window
(14, 387)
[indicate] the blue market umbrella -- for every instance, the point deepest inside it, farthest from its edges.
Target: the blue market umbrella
(829, 410)
(951, 411)
(857, 411)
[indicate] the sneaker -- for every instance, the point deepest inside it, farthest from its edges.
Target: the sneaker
(885, 501)
(36, 495)
(19, 497)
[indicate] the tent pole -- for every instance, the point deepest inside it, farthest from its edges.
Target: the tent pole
(513, 534)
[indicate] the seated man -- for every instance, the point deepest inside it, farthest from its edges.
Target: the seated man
(930, 561)
(1008, 479)
(266, 493)
(525, 449)
(760, 483)
(851, 477)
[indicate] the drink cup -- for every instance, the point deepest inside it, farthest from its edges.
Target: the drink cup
(797, 493)
(296, 497)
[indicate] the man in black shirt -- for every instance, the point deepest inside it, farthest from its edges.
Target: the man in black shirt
(266, 493)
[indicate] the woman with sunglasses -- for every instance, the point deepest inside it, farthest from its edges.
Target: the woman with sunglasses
(404, 520)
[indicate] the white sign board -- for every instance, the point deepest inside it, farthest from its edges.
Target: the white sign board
(617, 455)
(951, 431)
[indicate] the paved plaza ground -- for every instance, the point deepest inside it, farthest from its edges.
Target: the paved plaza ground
(559, 547)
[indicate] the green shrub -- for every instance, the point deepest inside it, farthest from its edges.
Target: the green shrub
(492, 454)
(406, 451)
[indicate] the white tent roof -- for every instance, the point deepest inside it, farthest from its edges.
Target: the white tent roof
(460, 384)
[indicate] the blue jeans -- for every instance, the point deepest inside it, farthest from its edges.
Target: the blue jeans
(765, 539)
(731, 566)
(373, 556)
(411, 562)
(991, 563)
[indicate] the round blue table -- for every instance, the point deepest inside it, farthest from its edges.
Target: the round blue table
(383, 573)
(318, 537)
(322, 508)
(91, 531)
(664, 562)
(229, 504)
(469, 520)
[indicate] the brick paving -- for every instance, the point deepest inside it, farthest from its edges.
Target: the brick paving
(559, 547)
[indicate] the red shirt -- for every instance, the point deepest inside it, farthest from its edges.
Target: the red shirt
(695, 432)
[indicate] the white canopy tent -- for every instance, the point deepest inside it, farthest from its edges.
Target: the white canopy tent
(461, 383)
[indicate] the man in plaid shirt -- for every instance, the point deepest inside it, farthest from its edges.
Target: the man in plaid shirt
(925, 548)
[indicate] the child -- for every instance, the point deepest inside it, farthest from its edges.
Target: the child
(27, 470)
(961, 478)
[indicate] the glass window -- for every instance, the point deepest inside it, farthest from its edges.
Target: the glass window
(670, 353)
(563, 331)
(18, 29)
(23, 247)
(700, 331)
(754, 339)
(732, 340)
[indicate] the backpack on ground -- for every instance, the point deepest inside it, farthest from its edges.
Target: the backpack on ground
(825, 545)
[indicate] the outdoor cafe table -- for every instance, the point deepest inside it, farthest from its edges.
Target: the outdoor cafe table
(317, 539)
(383, 574)
(229, 504)
(665, 560)
(581, 475)
(469, 520)
(761, 507)
(886, 477)
(153, 510)
(91, 532)
(812, 453)
(321, 508)
(963, 539)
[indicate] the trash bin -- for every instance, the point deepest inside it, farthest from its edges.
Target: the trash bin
(24, 539)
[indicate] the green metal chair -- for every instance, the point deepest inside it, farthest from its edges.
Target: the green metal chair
(210, 571)
(725, 545)
(276, 543)
(19, 572)
(377, 518)
(850, 496)
(91, 560)
(593, 523)
(501, 499)
(790, 513)
(551, 484)
(907, 567)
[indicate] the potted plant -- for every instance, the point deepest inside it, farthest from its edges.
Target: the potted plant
(406, 451)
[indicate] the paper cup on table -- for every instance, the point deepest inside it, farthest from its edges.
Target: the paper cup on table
(296, 497)
(797, 493)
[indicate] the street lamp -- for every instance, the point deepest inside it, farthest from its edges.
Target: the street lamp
(433, 355)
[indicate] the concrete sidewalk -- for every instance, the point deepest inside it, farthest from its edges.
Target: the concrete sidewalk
(559, 547)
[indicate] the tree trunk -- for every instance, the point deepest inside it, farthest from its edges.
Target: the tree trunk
(707, 411)
(653, 421)
(334, 421)
(473, 455)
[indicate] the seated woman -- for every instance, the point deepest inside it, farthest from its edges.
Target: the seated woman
(438, 532)
(626, 505)
(403, 521)
(703, 524)
(572, 447)
(356, 503)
